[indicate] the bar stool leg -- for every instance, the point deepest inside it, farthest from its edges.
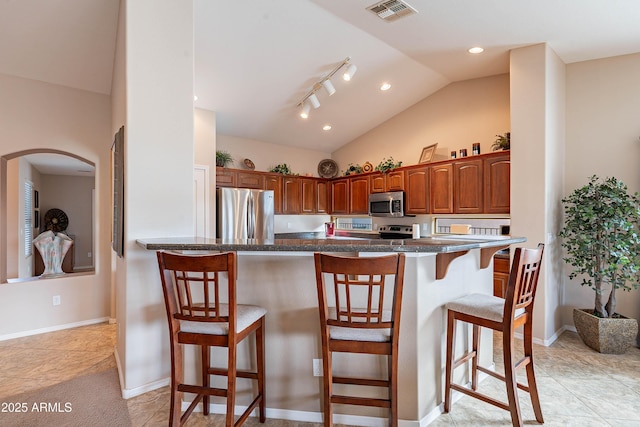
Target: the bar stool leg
(231, 386)
(177, 377)
(476, 354)
(328, 389)
(531, 377)
(451, 331)
(510, 379)
(393, 389)
(260, 368)
(205, 354)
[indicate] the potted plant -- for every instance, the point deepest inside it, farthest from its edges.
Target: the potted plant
(387, 164)
(601, 237)
(223, 158)
(283, 168)
(502, 142)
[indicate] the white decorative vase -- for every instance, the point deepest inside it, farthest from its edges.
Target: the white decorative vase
(53, 247)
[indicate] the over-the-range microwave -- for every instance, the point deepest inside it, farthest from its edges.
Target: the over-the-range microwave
(387, 204)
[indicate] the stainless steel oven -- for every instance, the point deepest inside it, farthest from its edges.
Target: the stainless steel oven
(387, 204)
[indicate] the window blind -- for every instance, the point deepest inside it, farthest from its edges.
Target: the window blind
(28, 218)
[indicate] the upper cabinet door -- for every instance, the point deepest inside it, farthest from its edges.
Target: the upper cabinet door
(359, 190)
(274, 182)
(322, 196)
(417, 191)
(250, 180)
(497, 184)
(394, 181)
(308, 188)
(340, 196)
(377, 183)
(441, 188)
(467, 184)
(290, 195)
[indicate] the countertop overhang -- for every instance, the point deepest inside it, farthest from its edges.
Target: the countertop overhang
(432, 244)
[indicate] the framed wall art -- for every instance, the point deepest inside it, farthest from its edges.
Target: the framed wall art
(427, 153)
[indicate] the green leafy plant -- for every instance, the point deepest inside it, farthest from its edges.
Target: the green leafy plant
(353, 169)
(223, 158)
(283, 168)
(502, 142)
(387, 164)
(601, 239)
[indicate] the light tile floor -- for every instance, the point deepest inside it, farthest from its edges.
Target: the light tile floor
(578, 386)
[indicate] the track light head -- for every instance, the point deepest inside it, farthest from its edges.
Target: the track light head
(351, 70)
(328, 86)
(304, 111)
(313, 99)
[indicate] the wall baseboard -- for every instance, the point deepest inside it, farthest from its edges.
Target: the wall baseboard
(53, 328)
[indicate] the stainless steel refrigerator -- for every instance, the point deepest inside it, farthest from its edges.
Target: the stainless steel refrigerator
(244, 214)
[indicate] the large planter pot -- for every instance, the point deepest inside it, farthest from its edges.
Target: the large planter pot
(605, 335)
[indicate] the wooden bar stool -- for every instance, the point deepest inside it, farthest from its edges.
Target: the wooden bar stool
(504, 315)
(357, 315)
(199, 314)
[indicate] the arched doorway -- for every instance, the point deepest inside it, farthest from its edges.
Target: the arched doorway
(34, 183)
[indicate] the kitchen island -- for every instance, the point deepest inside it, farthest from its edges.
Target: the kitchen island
(279, 275)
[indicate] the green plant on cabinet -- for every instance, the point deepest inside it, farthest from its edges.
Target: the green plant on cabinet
(223, 158)
(502, 142)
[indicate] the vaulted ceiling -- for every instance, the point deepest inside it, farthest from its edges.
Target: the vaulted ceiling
(256, 59)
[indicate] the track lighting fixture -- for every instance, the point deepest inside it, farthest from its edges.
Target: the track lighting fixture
(351, 70)
(328, 86)
(304, 112)
(311, 98)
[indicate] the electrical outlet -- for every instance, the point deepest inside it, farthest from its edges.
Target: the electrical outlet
(56, 300)
(89, 254)
(317, 367)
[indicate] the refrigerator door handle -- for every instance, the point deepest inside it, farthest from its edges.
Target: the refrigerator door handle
(251, 218)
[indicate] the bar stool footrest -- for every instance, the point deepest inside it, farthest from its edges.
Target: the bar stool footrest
(362, 401)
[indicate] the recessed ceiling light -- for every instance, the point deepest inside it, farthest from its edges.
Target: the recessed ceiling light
(326, 127)
(195, 97)
(476, 50)
(385, 86)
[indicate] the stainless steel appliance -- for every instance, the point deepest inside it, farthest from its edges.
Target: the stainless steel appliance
(395, 231)
(387, 204)
(245, 214)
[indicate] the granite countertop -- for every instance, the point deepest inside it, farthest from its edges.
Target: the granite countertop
(315, 243)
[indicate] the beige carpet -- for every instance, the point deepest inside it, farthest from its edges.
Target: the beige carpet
(90, 400)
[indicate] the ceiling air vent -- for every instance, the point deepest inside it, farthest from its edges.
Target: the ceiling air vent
(391, 10)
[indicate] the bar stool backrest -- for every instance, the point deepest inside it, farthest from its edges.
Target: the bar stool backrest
(523, 283)
(354, 296)
(194, 287)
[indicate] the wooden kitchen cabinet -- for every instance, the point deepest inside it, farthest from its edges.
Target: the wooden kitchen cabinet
(377, 183)
(291, 195)
(497, 183)
(225, 177)
(417, 191)
(359, 195)
(468, 186)
(441, 188)
(323, 196)
(249, 179)
(340, 196)
(500, 275)
(308, 188)
(390, 181)
(394, 180)
(274, 182)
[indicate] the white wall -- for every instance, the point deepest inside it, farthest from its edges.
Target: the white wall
(266, 155)
(159, 158)
(603, 128)
(36, 115)
(204, 128)
(454, 117)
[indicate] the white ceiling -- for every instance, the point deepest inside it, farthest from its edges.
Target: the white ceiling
(256, 59)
